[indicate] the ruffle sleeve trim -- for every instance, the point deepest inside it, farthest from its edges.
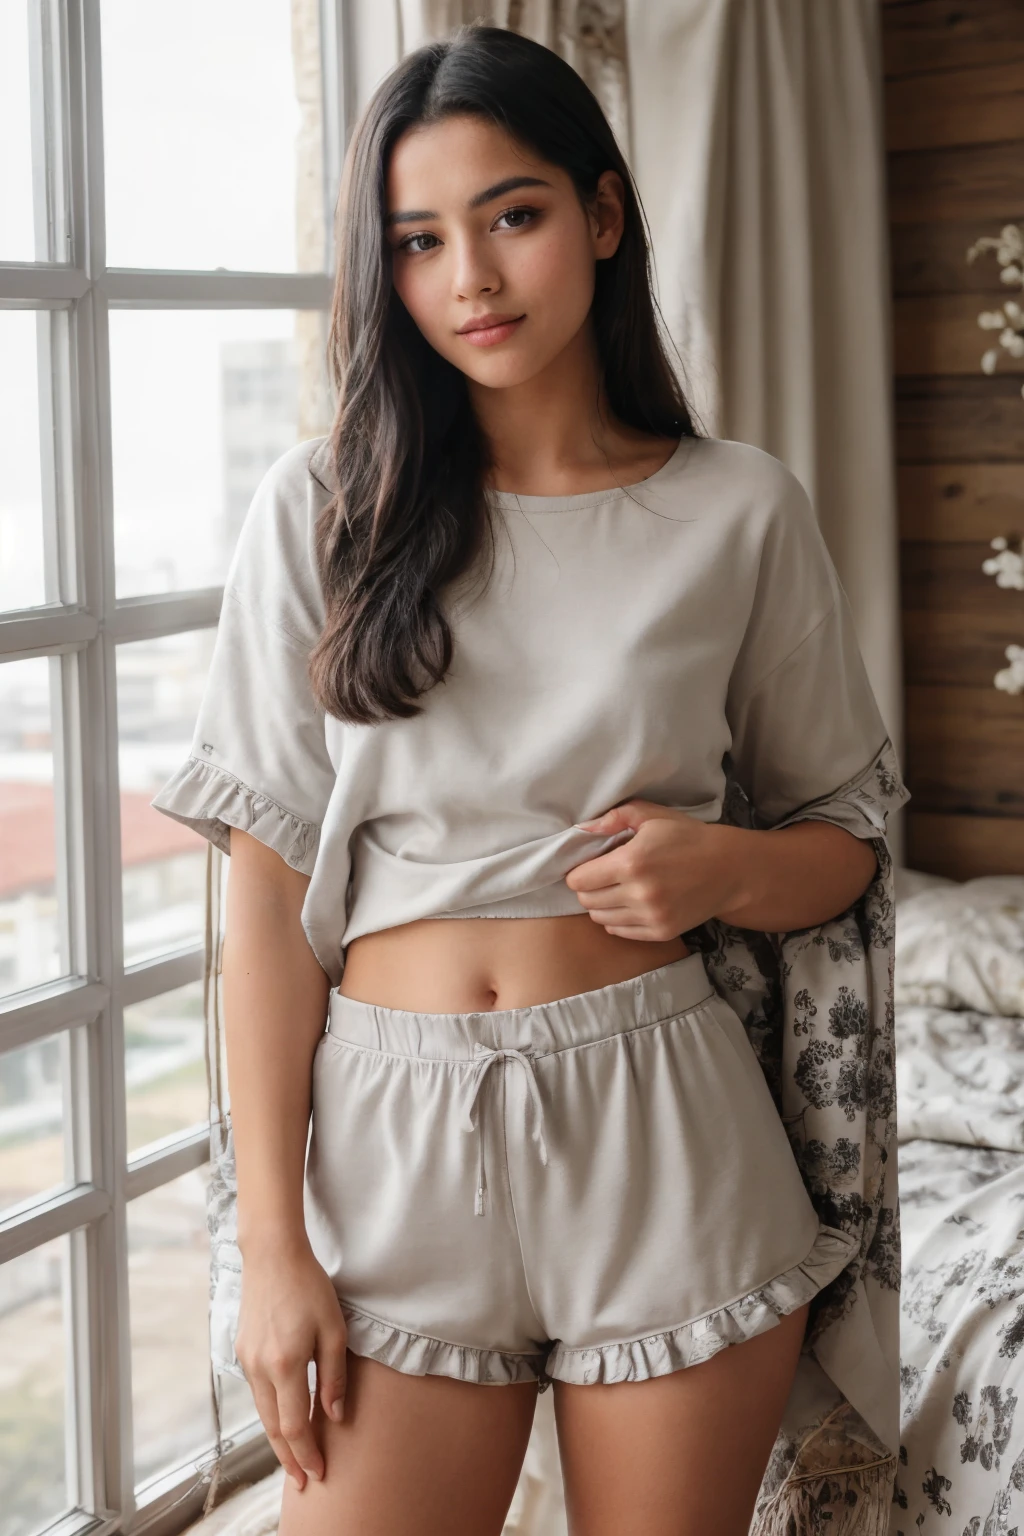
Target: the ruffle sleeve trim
(210, 800)
(864, 803)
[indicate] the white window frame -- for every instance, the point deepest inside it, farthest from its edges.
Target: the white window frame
(83, 631)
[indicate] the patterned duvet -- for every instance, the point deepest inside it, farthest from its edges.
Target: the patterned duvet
(961, 1165)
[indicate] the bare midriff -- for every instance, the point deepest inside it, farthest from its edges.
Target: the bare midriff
(472, 964)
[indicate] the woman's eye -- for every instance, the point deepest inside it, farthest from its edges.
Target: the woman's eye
(410, 243)
(517, 217)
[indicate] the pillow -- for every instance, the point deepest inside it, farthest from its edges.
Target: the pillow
(961, 945)
(909, 882)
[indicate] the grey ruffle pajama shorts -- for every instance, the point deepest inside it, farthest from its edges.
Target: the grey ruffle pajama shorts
(598, 1189)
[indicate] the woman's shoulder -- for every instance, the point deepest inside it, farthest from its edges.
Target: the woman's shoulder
(274, 559)
(300, 472)
(741, 470)
(745, 496)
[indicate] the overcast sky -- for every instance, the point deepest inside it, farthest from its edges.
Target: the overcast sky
(200, 121)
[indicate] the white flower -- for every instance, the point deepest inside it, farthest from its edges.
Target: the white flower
(1011, 678)
(1013, 312)
(992, 319)
(1008, 245)
(989, 360)
(1007, 566)
(1012, 274)
(1015, 347)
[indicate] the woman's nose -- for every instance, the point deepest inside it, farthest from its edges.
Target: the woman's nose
(473, 273)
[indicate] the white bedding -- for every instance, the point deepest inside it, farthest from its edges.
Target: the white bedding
(961, 1338)
(960, 1112)
(960, 1077)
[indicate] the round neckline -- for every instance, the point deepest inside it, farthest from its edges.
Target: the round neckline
(577, 500)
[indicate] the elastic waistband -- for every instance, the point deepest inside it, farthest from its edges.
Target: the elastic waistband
(663, 993)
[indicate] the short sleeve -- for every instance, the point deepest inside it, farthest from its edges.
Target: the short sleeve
(258, 759)
(804, 721)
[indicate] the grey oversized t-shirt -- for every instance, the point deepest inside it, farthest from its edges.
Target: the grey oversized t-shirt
(628, 642)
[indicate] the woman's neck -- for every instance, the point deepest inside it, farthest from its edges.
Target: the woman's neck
(555, 435)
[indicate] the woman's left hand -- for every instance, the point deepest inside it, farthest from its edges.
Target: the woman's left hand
(673, 874)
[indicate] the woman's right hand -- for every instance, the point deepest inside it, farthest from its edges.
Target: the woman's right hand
(289, 1315)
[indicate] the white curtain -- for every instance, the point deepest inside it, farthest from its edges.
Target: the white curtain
(590, 34)
(758, 147)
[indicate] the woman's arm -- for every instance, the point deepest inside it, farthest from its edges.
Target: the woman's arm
(275, 1007)
(677, 872)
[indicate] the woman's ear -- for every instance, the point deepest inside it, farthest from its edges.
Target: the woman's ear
(606, 214)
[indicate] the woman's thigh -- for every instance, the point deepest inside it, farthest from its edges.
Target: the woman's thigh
(683, 1454)
(414, 1456)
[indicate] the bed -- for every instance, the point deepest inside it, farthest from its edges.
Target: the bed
(960, 1108)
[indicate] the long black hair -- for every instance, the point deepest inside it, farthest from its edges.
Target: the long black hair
(410, 460)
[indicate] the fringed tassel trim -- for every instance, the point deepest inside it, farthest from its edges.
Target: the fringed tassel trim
(857, 1503)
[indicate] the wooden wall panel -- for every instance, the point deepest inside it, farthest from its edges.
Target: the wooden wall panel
(978, 182)
(939, 334)
(966, 649)
(988, 105)
(932, 258)
(955, 134)
(964, 847)
(919, 36)
(962, 745)
(958, 420)
(961, 503)
(947, 578)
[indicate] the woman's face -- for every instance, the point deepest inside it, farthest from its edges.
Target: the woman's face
(484, 232)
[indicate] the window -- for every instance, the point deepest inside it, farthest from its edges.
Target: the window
(167, 185)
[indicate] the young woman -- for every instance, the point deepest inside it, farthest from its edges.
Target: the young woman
(486, 654)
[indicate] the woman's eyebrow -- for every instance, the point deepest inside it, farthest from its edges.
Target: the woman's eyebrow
(417, 215)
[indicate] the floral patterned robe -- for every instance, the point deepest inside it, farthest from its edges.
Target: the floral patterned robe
(818, 1008)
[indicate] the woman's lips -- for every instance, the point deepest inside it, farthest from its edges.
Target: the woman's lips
(490, 335)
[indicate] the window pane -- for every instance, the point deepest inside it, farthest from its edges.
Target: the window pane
(32, 1151)
(17, 230)
(33, 1361)
(203, 402)
(31, 921)
(31, 224)
(168, 1286)
(213, 134)
(164, 1065)
(22, 583)
(159, 685)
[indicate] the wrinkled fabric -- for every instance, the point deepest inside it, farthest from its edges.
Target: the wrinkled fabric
(962, 946)
(960, 1077)
(818, 1008)
(961, 1461)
